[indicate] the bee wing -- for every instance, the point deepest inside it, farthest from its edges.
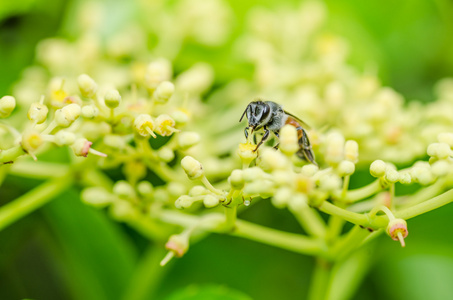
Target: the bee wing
(305, 125)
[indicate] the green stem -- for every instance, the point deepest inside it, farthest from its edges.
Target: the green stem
(320, 279)
(423, 194)
(426, 206)
(33, 200)
(311, 221)
(230, 217)
(289, 241)
(361, 193)
(281, 239)
(9, 155)
(38, 169)
(350, 242)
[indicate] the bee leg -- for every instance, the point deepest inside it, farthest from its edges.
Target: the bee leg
(263, 139)
(246, 132)
(276, 134)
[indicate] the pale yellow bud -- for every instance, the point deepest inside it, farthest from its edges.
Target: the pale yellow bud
(210, 201)
(192, 167)
(65, 116)
(188, 139)
(446, 137)
(7, 105)
(345, 168)
(236, 179)
(112, 99)
(288, 140)
(64, 138)
(90, 111)
(377, 168)
(37, 112)
(87, 85)
(351, 151)
(164, 91)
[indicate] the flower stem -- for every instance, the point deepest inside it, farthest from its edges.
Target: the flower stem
(426, 206)
(9, 155)
(362, 193)
(230, 217)
(33, 200)
(320, 280)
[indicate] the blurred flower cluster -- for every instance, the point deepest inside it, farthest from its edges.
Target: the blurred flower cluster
(117, 94)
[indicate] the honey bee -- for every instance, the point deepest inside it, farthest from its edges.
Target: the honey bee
(271, 117)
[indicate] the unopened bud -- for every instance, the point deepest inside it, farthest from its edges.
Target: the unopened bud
(65, 116)
(377, 168)
(123, 189)
(178, 244)
(273, 160)
(439, 150)
(351, 151)
(446, 137)
(87, 85)
(236, 179)
(7, 105)
(64, 138)
(288, 140)
(164, 91)
(82, 147)
(210, 201)
(37, 112)
(112, 99)
(145, 189)
(90, 111)
(166, 154)
(346, 168)
(391, 175)
(192, 167)
(188, 139)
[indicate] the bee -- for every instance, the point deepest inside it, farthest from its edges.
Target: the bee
(271, 117)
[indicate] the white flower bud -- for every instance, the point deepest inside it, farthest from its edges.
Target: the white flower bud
(251, 174)
(273, 160)
(309, 170)
(391, 175)
(198, 190)
(351, 151)
(439, 150)
(335, 148)
(90, 111)
(65, 116)
(262, 187)
(236, 179)
(181, 116)
(183, 202)
(405, 178)
(282, 197)
(440, 168)
(123, 189)
(7, 105)
(345, 168)
(288, 140)
(330, 182)
(377, 168)
(37, 112)
(64, 138)
(164, 91)
(192, 167)
(112, 99)
(166, 154)
(96, 196)
(144, 125)
(165, 125)
(145, 189)
(157, 71)
(446, 137)
(210, 201)
(422, 175)
(188, 139)
(87, 85)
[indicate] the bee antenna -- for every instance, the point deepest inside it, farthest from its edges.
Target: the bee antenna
(243, 114)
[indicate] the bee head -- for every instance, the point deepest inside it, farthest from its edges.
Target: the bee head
(258, 114)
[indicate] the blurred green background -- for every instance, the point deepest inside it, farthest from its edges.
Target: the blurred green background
(70, 251)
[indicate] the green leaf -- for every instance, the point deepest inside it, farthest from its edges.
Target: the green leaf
(208, 292)
(98, 260)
